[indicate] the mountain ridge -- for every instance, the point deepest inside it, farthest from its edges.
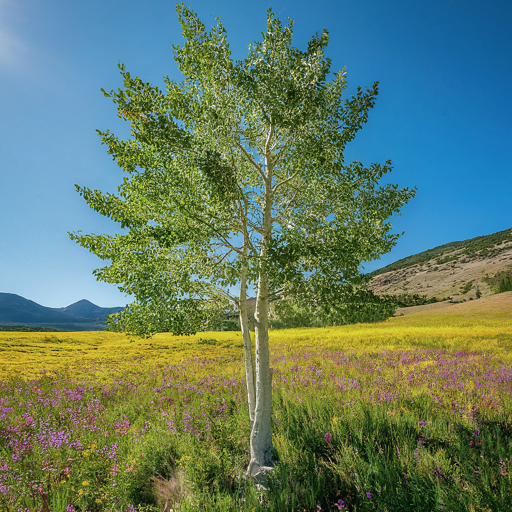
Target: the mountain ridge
(83, 315)
(86, 309)
(482, 241)
(458, 271)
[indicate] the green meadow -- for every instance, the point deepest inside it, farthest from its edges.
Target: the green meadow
(413, 413)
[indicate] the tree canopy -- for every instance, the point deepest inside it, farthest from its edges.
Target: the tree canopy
(197, 147)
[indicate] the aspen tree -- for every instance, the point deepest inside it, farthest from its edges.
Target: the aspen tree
(236, 176)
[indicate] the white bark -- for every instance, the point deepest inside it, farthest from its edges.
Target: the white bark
(261, 438)
(246, 335)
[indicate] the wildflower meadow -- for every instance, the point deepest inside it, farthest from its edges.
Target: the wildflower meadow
(413, 413)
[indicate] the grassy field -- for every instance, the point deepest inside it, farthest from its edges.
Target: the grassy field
(410, 414)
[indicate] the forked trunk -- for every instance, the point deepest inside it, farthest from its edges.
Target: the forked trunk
(261, 437)
(246, 335)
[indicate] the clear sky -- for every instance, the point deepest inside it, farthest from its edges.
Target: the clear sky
(443, 115)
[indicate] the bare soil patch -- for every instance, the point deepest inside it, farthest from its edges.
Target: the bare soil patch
(500, 303)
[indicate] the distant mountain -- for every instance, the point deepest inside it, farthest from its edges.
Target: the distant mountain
(86, 309)
(80, 316)
(454, 271)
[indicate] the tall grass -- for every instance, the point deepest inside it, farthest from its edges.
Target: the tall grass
(409, 414)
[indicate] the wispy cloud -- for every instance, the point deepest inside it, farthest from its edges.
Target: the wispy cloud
(14, 51)
(24, 52)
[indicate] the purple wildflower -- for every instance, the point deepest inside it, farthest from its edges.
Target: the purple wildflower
(328, 437)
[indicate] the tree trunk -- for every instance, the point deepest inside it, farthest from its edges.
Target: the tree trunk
(261, 437)
(246, 335)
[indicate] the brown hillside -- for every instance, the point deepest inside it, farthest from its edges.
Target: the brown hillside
(496, 305)
(459, 278)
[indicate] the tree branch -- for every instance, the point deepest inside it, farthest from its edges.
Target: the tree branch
(225, 293)
(230, 246)
(245, 220)
(286, 207)
(197, 218)
(222, 259)
(249, 157)
(267, 152)
(284, 181)
(253, 226)
(277, 292)
(281, 152)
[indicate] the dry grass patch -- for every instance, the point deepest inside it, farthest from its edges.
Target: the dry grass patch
(171, 492)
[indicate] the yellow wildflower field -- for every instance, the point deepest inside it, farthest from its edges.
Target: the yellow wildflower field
(422, 400)
(484, 325)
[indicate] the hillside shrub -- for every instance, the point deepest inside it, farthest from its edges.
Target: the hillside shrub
(500, 280)
(466, 288)
(26, 328)
(446, 259)
(505, 285)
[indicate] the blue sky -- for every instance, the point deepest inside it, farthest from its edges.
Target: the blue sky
(443, 115)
